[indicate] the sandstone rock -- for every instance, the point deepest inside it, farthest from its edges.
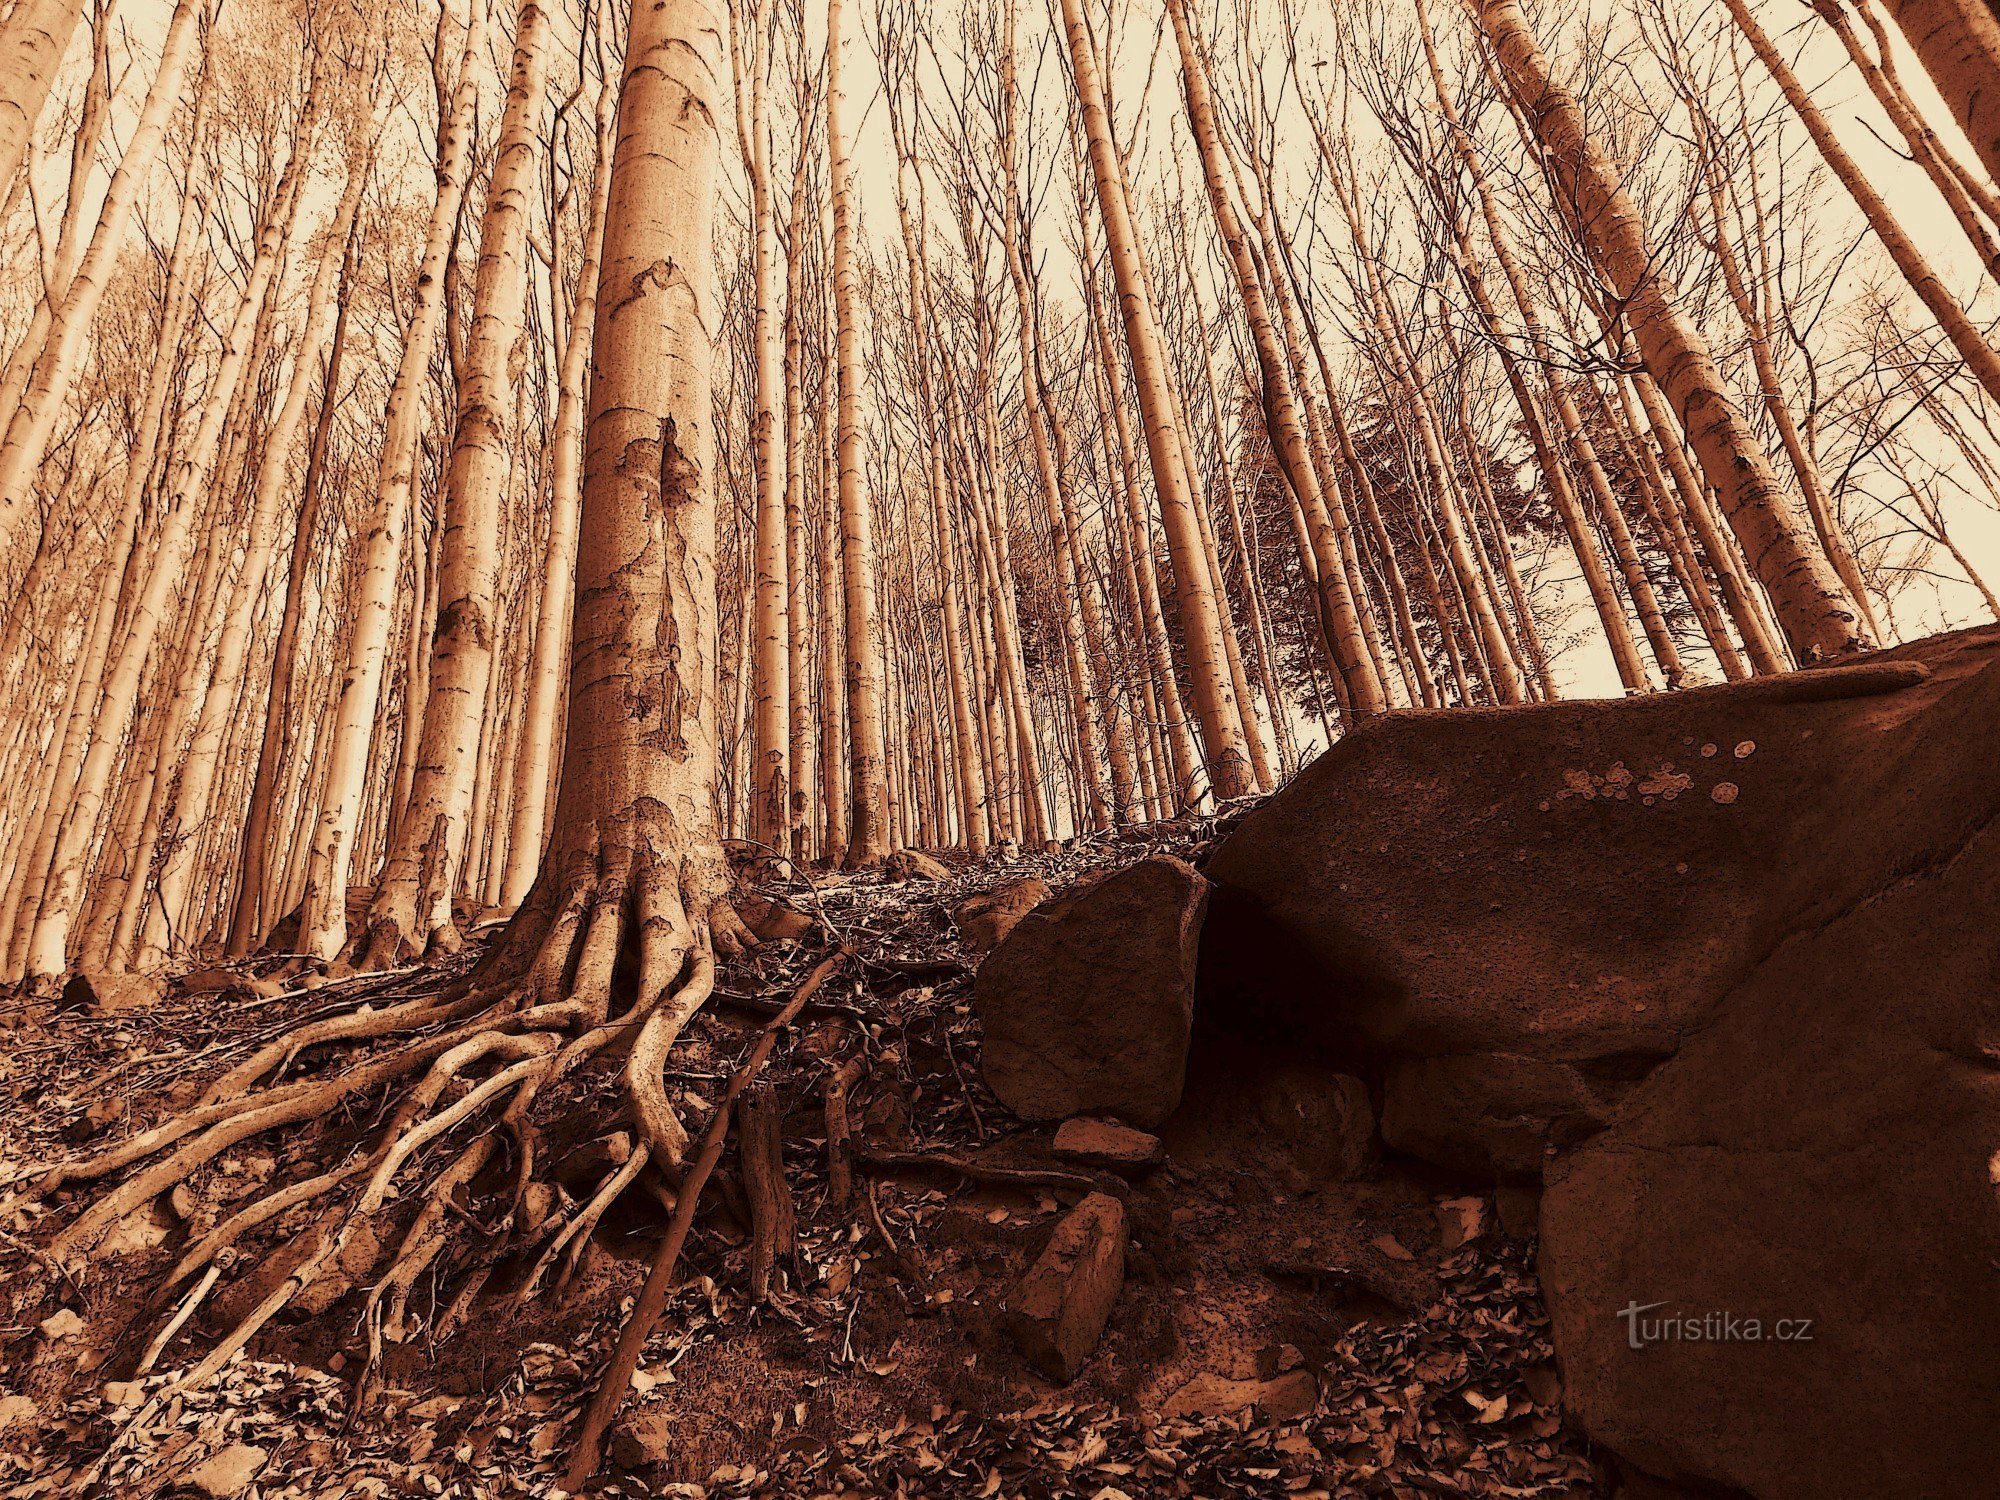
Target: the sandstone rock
(1105, 1143)
(1494, 1114)
(352, 1265)
(1057, 1311)
(61, 1324)
(228, 1472)
(1321, 1119)
(1720, 964)
(1556, 881)
(1519, 1210)
(985, 919)
(1088, 1004)
(1285, 1398)
(97, 1119)
(1822, 1152)
(769, 919)
(914, 864)
(642, 1439)
(212, 982)
(109, 994)
(584, 1168)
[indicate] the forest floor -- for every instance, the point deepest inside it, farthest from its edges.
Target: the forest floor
(881, 1366)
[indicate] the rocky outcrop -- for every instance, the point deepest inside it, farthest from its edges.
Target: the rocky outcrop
(1803, 1202)
(1087, 1005)
(1718, 966)
(1107, 1144)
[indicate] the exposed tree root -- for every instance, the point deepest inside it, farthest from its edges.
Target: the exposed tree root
(609, 959)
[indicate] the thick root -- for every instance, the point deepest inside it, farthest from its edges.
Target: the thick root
(611, 954)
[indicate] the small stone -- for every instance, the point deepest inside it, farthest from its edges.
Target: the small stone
(61, 1325)
(1323, 1120)
(1057, 1311)
(123, 1392)
(642, 1439)
(1460, 1221)
(1288, 1398)
(108, 994)
(771, 921)
(985, 919)
(212, 982)
(1105, 1143)
(227, 1473)
(914, 864)
(98, 1118)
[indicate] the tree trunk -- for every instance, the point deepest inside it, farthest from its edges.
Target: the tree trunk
(1812, 605)
(1216, 709)
(868, 829)
(323, 921)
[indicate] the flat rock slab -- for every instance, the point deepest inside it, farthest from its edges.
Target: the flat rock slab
(1106, 1143)
(1057, 1311)
(1088, 1004)
(228, 1472)
(1286, 1398)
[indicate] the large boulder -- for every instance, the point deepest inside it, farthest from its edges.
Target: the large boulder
(1803, 1203)
(1087, 1004)
(1495, 1114)
(1582, 882)
(1720, 966)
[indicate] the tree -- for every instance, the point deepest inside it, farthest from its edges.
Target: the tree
(1817, 615)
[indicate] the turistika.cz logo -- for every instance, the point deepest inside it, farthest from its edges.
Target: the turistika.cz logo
(1646, 1324)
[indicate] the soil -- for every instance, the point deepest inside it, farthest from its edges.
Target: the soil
(879, 1366)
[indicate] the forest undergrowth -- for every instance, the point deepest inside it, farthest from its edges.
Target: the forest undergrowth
(875, 1359)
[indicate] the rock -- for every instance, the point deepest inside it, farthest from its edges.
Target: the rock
(61, 1324)
(1493, 1114)
(1818, 1161)
(1556, 881)
(769, 919)
(228, 1472)
(108, 994)
(1057, 1311)
(212, 982)
(355, 1260)
(1519, 1210)
(1460, 1221)
(1719, 966)
(1321, 1120)
(642, 1439)
(97, 1119)
(1286, 1398)
(124, 1392)
(1088, 1004)
(985, 919)
(1105, 1143)
(914, 864)
(19, 1418)
(584, 1168)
